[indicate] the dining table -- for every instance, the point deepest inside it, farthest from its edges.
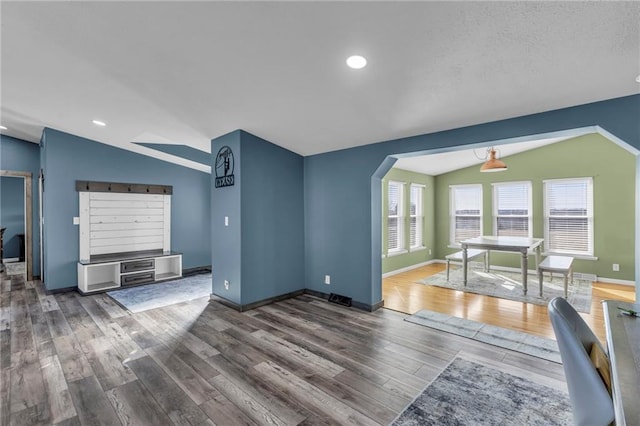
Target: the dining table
(522, 245)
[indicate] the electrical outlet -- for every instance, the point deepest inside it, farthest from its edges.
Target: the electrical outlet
(76, 220)
(429, 252)
(327, 279)
(226, 221)
(616, 267)
(226, 285)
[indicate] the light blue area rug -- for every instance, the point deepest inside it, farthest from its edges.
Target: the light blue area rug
(151, 296)
(508, 285)
(468, 393)
(497, 336)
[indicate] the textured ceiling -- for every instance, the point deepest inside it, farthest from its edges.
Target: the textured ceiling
(192, 71)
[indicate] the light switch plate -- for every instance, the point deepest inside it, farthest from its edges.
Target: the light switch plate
(76, 221)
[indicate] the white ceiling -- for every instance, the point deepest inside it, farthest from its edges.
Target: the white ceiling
(444, 162)
(187, 72)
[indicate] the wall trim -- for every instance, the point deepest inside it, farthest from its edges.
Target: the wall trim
(253, 305)
(197, 270)
(410, 267)
(616, 281)
(28, 217)
(354, 303)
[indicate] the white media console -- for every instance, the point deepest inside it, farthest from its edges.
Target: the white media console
(108, 274)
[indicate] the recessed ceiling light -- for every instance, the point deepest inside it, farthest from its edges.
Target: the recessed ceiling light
(356, 62)
(99, 123)
(3, 128)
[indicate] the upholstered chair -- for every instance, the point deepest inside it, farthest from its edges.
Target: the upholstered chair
(590, 399)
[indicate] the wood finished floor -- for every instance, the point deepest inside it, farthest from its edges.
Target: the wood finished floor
(402, 293)
(73, 360)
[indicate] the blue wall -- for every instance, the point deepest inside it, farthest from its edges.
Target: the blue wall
(272, 220)
(11, 214)
(67, 158)
(22, 156)
(226, 254)
(261, 252)
(341, 217)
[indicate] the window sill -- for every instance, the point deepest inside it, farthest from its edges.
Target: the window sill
(414, 249)
(455, 246)
(574, 255)
(396, 253)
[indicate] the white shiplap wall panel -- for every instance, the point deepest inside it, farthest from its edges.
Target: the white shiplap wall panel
(99, 235)
(126, 219)
(126, 211)
(123, 222)
(85, 229)
(119, 226)
(123, 248)
(167, 224)
(123, 196)
(112, 204)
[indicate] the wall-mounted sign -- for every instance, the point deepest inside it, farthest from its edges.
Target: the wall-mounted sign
(224, 168)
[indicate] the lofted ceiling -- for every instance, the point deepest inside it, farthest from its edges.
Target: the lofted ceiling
(184, 73)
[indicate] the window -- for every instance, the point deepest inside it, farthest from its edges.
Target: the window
(512, 209)
(416, 216)
(569, 216)
(395, 217)
(465, 212)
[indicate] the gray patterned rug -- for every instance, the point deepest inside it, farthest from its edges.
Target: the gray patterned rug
(151, 296)
(497, 336)
(467, 393)
(508, 285)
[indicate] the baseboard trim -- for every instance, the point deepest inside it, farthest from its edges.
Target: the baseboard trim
(409, 268)
(60, 290)
(616, 281)
(197, 270)
(354, 303)
(253, 305)
(576, 275)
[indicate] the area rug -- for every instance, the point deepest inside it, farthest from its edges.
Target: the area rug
(468, 393)
(151, 296)
(505, 338)
(508, 285)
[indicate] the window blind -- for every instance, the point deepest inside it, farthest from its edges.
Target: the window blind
(466, 212)
(395, 229)
(569, 216)
(416, 216)
(512, 209)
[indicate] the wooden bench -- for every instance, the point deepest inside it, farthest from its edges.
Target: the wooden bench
(561, 264)
(471, 254)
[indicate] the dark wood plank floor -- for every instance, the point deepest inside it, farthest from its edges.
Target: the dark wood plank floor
(83, 360)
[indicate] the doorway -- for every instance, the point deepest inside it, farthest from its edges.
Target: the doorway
(466, 306)
(16, 218)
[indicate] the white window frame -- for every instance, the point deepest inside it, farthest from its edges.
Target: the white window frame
(496, 202)
(419, 217)
(452, 215)
(548, 243)
(400, 217)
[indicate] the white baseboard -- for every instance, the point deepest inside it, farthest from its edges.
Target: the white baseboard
(616, 281)
(410, 267)
(576, 275)
(585, 277)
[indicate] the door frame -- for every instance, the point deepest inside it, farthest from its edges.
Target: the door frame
(28, 218)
